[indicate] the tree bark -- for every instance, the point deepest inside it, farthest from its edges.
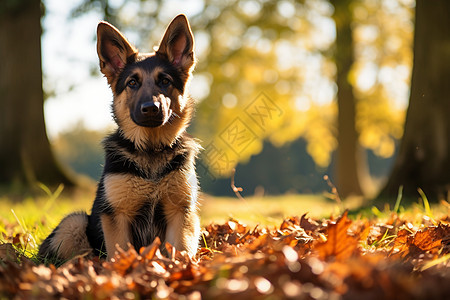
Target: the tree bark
(25, 154)
(423, 160)
(350, 161)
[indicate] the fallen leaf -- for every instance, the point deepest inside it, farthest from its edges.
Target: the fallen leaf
(8, 253)
(339, 245)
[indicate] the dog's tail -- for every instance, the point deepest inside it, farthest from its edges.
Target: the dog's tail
(67, 240)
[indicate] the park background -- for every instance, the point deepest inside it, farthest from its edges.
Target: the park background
(334, 115)
(300, 97)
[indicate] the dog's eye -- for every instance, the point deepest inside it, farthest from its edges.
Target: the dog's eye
(165, 82)
(132, 83)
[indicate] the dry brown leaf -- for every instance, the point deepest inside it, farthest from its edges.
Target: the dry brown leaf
(308, 224)
(339, 245)
(429, 240)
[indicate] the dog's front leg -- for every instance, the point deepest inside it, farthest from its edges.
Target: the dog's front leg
(116, 230)
(183, 229)
(181, 211)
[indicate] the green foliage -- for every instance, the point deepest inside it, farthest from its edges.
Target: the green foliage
(399, 199)
(426, 204)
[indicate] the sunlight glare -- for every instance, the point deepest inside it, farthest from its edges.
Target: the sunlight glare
(286, 9)
(367, 77)
(229, 100)
(302, 103)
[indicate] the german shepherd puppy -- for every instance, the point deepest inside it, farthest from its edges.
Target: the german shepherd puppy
(148, 188)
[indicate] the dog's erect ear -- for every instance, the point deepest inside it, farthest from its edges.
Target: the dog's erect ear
(177, 43)
(113, 50)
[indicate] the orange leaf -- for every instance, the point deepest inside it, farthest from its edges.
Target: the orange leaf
(401, 242)
(149, 251)
(339, 244)
(431, 238)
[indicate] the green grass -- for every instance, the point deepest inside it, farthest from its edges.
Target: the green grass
(32, 219)
(270, 210)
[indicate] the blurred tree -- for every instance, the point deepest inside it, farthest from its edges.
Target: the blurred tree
(383, 33)
(350, 159)
(424, 156)
(373, 59)
(25, 154)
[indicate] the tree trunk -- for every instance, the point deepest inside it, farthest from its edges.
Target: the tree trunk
(423, 160)
(25, 154)
(350, 160)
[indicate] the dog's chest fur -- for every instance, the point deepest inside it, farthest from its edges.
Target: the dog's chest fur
(145, 187)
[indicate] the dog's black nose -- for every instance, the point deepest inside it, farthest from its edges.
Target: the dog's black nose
(150, 108)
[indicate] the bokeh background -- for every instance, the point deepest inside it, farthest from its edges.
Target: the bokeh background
(307, 96)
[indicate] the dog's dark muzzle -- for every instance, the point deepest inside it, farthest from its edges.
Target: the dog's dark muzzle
(148, 114)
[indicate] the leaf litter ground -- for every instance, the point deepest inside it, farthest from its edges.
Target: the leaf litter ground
(302, 258)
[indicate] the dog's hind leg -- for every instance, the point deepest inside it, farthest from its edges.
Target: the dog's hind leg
(67, 240)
